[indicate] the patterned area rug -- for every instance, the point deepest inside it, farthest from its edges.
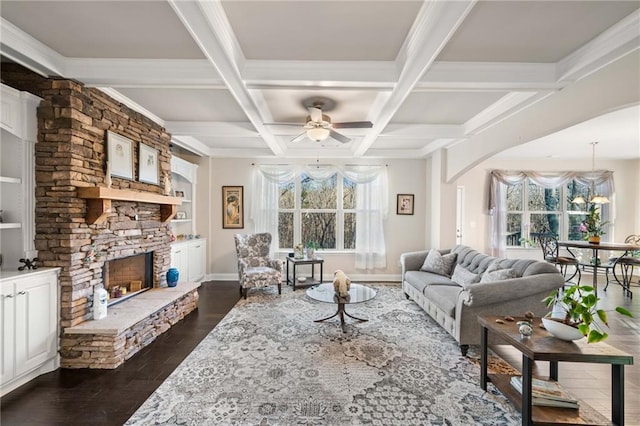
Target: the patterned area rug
(268, 363)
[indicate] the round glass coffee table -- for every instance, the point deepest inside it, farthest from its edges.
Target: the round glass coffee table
(358, 293)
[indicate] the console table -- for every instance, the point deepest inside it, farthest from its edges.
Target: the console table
(304, 261)
(541, 346)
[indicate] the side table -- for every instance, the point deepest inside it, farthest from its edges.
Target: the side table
(304, 261)
(541, 346)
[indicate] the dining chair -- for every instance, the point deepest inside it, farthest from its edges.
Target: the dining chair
(627, 265)
(256, 269)
(551, 254)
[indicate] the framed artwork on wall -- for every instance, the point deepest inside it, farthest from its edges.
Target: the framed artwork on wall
(120, 156)
(405, 204)
(148, 164)
(232, 207)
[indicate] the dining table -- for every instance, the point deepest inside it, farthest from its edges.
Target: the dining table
(596, 247)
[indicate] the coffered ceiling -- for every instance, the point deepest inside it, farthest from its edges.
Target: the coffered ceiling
(230, 77)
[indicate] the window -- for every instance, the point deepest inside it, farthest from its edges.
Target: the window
(322, 211)
(534, 211)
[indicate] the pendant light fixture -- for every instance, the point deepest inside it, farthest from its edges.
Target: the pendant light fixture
(595, 198)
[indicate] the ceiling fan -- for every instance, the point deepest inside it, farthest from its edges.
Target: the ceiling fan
(319, 127)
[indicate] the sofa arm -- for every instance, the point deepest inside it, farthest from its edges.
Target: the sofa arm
(412, 261)
(515, 288)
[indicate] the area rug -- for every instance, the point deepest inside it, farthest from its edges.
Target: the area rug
(268, 363)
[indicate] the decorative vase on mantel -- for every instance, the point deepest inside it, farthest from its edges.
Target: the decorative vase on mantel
(594, 239)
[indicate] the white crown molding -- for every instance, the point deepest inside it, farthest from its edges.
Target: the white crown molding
(191, 144)
(377, 75)
(207, 128)
(131, 104)
(400, 154)
(617, 41)
(243, 153)
(29, 52)
(145, 73)
(436, 146)
(488, 76)
(433, 27)
(201, 20)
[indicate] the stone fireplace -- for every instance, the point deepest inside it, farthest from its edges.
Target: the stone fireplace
(73, 121)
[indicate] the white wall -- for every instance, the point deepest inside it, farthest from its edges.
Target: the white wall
(402, 233)
(476, 183)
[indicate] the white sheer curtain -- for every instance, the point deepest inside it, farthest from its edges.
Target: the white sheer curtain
(264, 203)
(500, 179)
(371, 204)
(372, 201)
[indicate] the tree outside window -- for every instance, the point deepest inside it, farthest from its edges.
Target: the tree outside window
(534, 211)
(319, 211)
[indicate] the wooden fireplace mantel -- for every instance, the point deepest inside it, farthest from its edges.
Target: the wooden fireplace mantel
(99, 202)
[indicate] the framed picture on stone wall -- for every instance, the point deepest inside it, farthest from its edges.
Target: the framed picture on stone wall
(120, 156)
(232, 207)
(148, 164)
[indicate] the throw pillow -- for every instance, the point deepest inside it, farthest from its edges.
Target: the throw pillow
(464, 277)
(495, 266)
(499, 275)
(438, 263)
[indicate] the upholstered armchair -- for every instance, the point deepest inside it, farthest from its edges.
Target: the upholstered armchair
(255, 268)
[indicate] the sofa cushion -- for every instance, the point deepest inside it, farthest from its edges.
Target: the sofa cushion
(464, 277)
(498, 275)
(444, 297)
(421, 279)
(439, 264)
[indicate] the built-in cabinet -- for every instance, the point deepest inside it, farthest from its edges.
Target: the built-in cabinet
(190, 259)
(188, 253)
(183, 182)
(19, 127)
(29, 330)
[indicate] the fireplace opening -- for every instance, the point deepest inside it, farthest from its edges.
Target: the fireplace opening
(128, 276)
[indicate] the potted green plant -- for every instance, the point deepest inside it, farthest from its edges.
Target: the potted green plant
(312, 246)
(592, 227)
(527, 242)
(578, 307)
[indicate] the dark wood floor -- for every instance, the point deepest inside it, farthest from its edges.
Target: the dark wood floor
(110, 397)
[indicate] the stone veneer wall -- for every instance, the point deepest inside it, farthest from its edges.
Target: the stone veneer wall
(73, 121)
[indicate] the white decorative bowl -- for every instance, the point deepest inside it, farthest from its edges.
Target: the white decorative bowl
(302, 279)
(561, 331)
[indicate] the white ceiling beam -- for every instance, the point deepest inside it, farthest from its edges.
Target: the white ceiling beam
(617, 41)
(503, 108)
(422, 131)
(191, 144)
(207, 24)
(435, 24)
(377, 75)
(488, 76)
(145, 73)
(29, 52)
(211, 128)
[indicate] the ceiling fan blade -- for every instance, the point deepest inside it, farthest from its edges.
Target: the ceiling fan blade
(300, 137)
(353, 125)
(315, 113)
(339, 137)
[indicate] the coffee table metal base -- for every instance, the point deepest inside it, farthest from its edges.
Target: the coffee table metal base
(341, 312)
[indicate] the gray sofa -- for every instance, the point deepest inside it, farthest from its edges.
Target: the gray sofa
(456, 307)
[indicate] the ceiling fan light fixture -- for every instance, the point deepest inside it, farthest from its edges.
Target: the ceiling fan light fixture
(599, 199)
(579, 200)
(318, 134)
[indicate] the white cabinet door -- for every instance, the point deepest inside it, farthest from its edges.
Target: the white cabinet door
(197, 253)
(36, 321)
(7, 316)
(180, 260)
